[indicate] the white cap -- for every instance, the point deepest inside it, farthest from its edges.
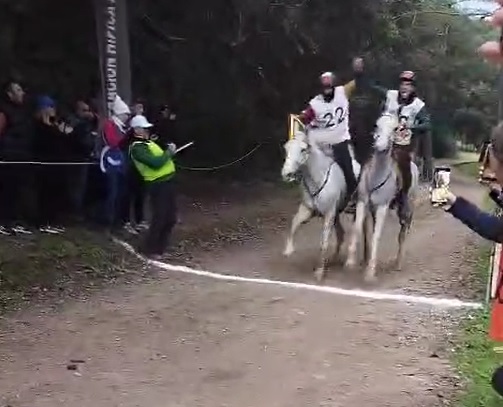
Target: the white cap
(141, 122)
(120, 107)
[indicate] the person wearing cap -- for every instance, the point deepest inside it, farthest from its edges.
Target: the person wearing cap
(113, 164)
(157, 168)
(414, 123)
(327, 117)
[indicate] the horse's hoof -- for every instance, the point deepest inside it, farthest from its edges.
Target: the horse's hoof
(288, 251)
(370, 276)
(319, 274)
(397, 264)
(350, 264)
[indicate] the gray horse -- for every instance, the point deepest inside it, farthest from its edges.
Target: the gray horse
(323, 189)
(378, 187)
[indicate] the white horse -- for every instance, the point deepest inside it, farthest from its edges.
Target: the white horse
(323, 189)
(377, 188)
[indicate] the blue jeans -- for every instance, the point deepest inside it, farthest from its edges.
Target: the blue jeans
(115, 197)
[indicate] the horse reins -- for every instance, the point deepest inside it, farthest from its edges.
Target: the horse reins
(318, 191)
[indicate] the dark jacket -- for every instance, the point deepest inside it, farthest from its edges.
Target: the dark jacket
(488, 226)
(82, 140)
(50, 144)
(16, 140)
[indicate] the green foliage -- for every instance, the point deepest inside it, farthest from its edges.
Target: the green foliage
(235, 69)
(443, 143)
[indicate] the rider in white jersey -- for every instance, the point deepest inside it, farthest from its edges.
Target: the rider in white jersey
(327, 116)
(414, 121)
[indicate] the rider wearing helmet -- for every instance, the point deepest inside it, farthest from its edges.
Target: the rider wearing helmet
(414, 121)
(327, 116)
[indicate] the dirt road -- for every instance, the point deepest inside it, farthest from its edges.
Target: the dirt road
(189, 341)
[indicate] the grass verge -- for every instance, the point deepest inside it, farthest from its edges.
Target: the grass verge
(474, 357)
(42, 266)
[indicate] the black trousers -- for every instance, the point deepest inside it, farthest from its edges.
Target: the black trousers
(135, 197)
(163, 217)
(52, 195)
(16, 200)
(343, 158)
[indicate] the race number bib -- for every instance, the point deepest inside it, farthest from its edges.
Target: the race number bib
(333, 119)
(403, 135)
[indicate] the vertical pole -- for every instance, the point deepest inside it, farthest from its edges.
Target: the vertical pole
(113, 44)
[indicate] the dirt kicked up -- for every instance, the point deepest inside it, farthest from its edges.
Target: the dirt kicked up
(186, 340)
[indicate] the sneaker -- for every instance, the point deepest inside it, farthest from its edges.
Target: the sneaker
(130, 229)
(59, 229)
(49, 230)
(142, 226)
(5, 231)
(21, 230)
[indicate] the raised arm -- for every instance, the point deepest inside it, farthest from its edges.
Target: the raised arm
(362, 81)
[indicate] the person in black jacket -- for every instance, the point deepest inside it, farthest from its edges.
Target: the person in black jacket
(51, 143)
(81, 147)
(15, 146)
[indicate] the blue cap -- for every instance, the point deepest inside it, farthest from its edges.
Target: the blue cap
(44, 102)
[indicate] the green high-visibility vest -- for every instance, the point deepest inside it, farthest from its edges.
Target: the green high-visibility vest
(151, 174)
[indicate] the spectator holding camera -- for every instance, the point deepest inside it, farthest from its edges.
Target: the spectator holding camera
(485, 224)
(51, 143)
(82, 143)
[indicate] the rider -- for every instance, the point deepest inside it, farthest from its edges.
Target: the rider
(327, 116)
(414, 120)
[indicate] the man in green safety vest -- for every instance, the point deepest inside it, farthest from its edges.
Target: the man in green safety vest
(157, 169)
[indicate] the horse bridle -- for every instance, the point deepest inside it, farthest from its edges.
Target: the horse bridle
(323, 185)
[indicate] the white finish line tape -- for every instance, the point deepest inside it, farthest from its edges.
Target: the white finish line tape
(371, 295)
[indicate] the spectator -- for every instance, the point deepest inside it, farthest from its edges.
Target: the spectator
(135, 200)
(165, 129)
(82, 144)
(486, 225)
(157, 169)
(113, 164)
(51, 143)
(15, 145)
(138, 108)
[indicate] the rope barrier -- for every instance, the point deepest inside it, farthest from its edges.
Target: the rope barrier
(214, 168)
(219, 167)
(45, 163)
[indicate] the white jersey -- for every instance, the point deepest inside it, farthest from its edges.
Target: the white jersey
(331, 122)
(407, 114)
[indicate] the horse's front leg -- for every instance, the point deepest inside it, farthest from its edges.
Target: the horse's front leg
(302, 216)
(356, 233)
(380, 218)
(328, 226)
(404, 230)
(339, 234)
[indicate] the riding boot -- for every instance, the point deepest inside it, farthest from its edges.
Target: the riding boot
(403, 205)
(343, 158)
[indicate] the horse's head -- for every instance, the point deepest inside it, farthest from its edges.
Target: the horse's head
(297, 153)
(385, 128)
